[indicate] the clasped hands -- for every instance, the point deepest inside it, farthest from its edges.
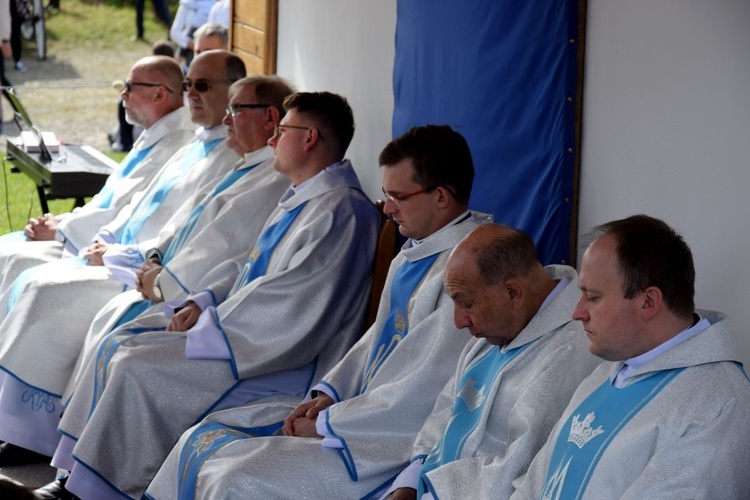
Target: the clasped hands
(145, 278)
(41, 228)
(301, 422)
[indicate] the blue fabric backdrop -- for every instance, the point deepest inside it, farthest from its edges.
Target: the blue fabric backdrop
(503, 74)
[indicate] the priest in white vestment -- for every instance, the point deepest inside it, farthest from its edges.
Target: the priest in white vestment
(512, 382)
(295, 308)
(48, 310)
(159, 109)
(206, 255)
(667, 417)
(355, 429)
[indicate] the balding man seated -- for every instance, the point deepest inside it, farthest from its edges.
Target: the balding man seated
(668, 416)
(513, 381)
(153, 100)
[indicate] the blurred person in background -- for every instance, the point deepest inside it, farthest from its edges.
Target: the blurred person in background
(191, 15)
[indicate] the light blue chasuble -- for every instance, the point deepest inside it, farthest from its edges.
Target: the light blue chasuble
(260, 256)
(133, 159)
(591, 428)
(405, 282)
(475, 383)
(155, 197)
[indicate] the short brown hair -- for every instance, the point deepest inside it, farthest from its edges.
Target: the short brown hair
(440, 157)
(650, 253)
(330, 111)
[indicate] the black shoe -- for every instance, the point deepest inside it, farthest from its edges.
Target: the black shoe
(54, 491)
(9, 489)
(11, 454)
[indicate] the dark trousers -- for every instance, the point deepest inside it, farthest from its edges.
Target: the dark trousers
(160, 7)
(15, 31)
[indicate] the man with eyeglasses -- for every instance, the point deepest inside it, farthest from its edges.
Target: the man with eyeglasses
(354, 429)
(294, 309)
(167, 127)
(203, 258)
(37, 322)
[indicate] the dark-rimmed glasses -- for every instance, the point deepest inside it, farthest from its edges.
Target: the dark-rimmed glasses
(201, 85)
(398, 198)
(128, 86)
(233, 109)
(279, 130)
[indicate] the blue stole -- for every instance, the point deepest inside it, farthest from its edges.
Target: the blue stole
(406, 280)
(468, 407)
(187, 227)
(155, 196)
(133, 159)
(257, 261)
(104, 355)
(578, 451)
(28, 275)
(203, 442)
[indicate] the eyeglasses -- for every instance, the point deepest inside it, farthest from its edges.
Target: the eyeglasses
(233, 109)
(201, 85)
(129, 86)
(280, 130)
(396, 199)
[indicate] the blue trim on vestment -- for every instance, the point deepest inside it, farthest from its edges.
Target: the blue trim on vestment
(177, 280)
(741, 367)
(29, 385)
(210, 409)
(336, 396)
(380, 488)
(66, 434)
(213, 295)
(109, 483)
(346, 455)
(68, 241)
(428, 485)
(232, 362)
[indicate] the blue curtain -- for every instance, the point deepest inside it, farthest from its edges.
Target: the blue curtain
(503, 74)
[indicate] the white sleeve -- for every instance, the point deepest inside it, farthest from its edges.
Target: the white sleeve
(205, 340)
(329, 441)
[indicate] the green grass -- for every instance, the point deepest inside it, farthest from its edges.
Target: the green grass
(81, 25)
(100, 25)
